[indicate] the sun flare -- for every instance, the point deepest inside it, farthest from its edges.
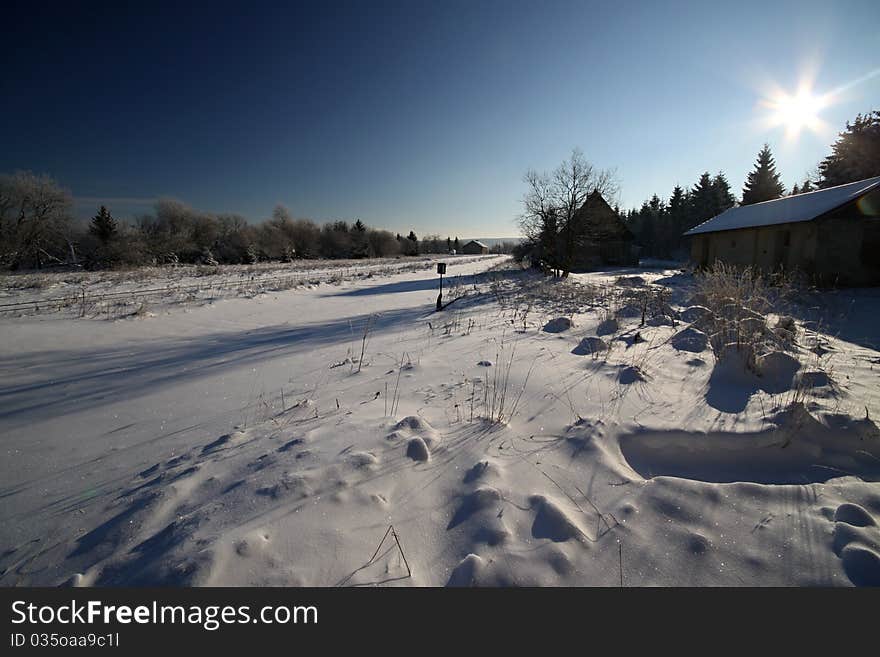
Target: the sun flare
(796, 112)
(799, 111)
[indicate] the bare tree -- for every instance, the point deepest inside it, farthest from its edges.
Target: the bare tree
(552, 204)
(34, 217)
(539, 221)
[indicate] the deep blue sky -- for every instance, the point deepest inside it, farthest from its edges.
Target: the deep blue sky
(412, 114)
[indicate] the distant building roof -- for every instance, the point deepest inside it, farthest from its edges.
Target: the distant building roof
(788, 209)
(477, 243)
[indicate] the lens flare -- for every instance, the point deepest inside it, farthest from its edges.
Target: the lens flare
(796, 112)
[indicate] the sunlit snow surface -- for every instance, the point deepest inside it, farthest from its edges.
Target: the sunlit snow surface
(241, 439)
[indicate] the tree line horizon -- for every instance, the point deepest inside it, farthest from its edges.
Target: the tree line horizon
(37, 228)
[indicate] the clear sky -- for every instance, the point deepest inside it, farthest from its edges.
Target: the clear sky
(420, 115)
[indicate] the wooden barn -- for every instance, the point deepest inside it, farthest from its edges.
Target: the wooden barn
(833, 235)
(475, 248)
(604, 240)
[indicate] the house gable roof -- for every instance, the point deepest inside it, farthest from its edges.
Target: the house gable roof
(788, 209)
(600, 220)
(480, 244)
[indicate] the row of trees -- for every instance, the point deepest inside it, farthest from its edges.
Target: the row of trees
(659, 223)
(37, 229)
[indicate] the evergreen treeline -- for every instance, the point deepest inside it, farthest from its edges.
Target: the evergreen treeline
(856, 153)
(658, 225)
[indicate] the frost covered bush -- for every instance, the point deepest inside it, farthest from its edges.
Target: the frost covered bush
(738, 302)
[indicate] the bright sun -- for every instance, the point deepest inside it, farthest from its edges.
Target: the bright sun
(796, 111)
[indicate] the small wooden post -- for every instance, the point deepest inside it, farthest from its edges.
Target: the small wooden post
(441, 269)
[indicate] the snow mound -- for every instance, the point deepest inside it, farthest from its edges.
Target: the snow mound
(629, 310)
(417, 450)
(777, 370)
(551, 521)
(482, 471)
(798, 449)
(479, 500)
(862, 565)
(413, 423)
(812, 379)
(467, 572)
(608, 327)
(288, 486)
(418, 427)
(738, 374)
(690, 339)
(694, 313)
(853, 514)
(557, 325)
(631, 374)
(630, 281)
(359, 460)
(590, 346)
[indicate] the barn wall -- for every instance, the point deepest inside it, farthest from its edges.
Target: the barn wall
(786, 246)
(700, 250)
(735, 247)
(842, 258)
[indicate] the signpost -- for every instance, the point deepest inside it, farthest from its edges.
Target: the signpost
(441, 269)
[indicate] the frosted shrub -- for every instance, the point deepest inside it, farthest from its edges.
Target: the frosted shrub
(738, 300)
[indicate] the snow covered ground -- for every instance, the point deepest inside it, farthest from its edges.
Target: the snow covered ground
(533, 433)
(118, 294)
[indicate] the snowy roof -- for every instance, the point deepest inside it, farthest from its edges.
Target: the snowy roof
(477, 243)
(788, 209)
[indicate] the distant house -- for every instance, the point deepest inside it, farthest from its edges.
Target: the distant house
(474, 248)
(832, 234)
(604, 240)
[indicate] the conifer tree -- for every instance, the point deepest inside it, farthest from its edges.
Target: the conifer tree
(103, 226)
(704, 201)
(662, 236)
(763, 182)
(856, 153)
(360, 246)
(646, 230)
(724, 198)
(410, 245)
(677, 213)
